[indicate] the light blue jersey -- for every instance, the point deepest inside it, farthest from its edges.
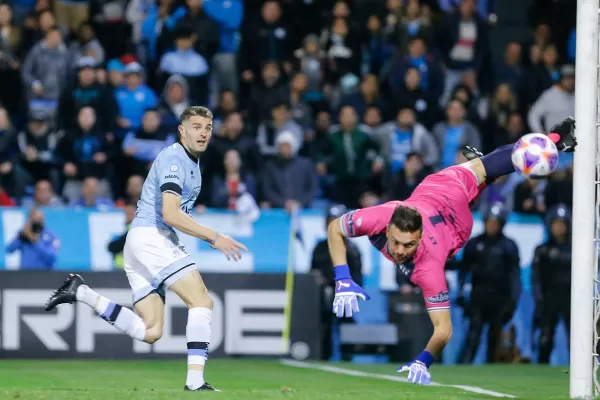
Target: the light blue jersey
(176, 171)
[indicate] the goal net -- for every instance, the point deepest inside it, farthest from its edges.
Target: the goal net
(585, 296)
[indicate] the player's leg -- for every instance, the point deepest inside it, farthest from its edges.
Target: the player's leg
(147, 328)
(498, 163)
(191, 290)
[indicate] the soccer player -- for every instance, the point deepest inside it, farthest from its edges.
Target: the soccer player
(419, 234)
(155, 259)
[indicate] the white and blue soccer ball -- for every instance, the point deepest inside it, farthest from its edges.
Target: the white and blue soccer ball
(534, 155)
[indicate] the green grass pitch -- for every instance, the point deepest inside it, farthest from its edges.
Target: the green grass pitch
(268, 379)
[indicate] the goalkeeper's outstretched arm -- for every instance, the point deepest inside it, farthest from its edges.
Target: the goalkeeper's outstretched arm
(336, 241)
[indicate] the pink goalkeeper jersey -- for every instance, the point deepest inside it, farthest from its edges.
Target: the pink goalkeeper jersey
(443, 201)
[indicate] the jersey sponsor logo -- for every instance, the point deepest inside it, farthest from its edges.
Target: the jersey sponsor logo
(441, 297)
(171, 176)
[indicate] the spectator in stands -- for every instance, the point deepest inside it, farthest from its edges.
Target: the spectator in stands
(510, 70)
(226, 105)
(266, 93)
(143, 145)
(37, 144)
(153, 42)
(268, 131)
(133, 191)
(85, 152)
(502, 106)
(432, 79)
(38, 245)
(559, 188)
(87, 92)
(185, 61)
(529, 197)
(228, 15)
(403, 182)
(44, 196)
(555, 103)
(542, 76)
(268, 39)
(414, 23)
(10, 43)
(310, 60)
(90, 196)
(115, 69)
(134, 99)
(352, 157)
(317, 138)
(86, 45)
(206, 31)
(542, 35)
(72, 13)
(412, 95)
(299, 107)
(44, 73)
(464, 41)
(228, 189)
(11, 173)
(405, 135)
(116, 246)
(367, 96)
(344, 55)
(233, 137)
(454, 133)
(174, 100)
(289, 181)
(35, 28)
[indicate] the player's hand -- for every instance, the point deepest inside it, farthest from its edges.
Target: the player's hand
(230, 247)
(345, 302)
(418, 373)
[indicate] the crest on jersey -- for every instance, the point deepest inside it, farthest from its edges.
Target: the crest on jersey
(441, 297)
(174, 168)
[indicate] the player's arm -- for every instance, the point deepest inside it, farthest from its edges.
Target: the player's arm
(336, 240)
(175, 217)
(442, 331)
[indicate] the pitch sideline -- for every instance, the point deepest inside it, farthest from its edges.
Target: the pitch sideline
(351, 372)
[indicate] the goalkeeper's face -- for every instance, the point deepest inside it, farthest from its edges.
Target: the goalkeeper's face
(195, 133)
(402, 245)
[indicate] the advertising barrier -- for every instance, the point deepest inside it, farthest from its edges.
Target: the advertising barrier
(248, 318)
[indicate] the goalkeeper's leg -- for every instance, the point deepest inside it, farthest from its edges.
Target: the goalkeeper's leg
(499, 163)
(146, 327)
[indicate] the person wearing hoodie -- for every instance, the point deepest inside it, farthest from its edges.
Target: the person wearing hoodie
(405, 135)
(174, 100)
(289, 181)
(86, 45)
(87, 92)
(44, 72)
(555, 103)
(84, 152)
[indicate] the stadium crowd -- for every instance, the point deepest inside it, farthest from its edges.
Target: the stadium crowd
(354, 102)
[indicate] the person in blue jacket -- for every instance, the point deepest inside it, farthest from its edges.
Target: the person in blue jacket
(38, 246)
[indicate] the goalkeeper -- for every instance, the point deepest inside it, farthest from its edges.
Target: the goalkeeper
(419, 234)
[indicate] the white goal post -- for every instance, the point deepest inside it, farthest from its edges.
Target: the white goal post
(584, 259)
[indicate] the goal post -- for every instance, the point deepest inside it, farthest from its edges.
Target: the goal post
(584, 261)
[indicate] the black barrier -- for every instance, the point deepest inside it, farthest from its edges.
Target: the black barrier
(248, 318)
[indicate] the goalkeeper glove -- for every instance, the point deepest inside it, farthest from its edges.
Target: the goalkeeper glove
(418, 370)
(347, 292)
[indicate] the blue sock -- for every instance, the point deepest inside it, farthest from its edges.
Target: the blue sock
(498, 162)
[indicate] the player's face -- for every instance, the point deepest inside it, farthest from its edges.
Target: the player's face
(402, 245)
(196, 133)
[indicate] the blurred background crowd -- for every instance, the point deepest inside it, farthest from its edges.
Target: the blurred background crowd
(315, 101)
(350, 101)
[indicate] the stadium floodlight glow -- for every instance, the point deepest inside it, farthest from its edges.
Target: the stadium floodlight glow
(583, 261)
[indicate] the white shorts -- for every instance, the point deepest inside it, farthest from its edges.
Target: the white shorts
(154, 259)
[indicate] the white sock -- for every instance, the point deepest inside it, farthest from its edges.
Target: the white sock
(120, 317)
(198, 336)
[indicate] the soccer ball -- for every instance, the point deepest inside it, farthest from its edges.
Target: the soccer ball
(534, 155)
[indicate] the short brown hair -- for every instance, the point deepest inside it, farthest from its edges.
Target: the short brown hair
(407, 219)
(196, 111)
